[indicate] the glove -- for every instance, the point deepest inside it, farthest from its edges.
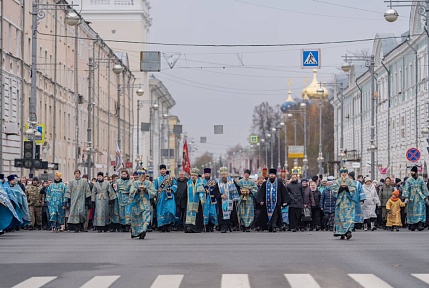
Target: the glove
(406, 201)
(93, 205)
(427, 201)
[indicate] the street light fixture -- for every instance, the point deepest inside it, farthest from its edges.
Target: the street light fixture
(140, 92)
(72, 19)
(391, 15)
(155, 106)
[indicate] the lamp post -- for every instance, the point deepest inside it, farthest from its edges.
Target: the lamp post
(295, 161)
(117, 69)
(369, 62)
(38, 13)
(266, 151)
(305, 160)
(139, 93)
(279, 167)
(320, 158)
(272, 142)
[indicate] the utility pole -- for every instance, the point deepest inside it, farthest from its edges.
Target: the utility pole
(89, 130)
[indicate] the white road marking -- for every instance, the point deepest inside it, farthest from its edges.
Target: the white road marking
(34, 282)
(301, 281)
(369, 281)
(423, 277)
(100, 282)
(235, 281)
(167, 281)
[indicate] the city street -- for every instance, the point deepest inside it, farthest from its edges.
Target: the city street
(309, 259)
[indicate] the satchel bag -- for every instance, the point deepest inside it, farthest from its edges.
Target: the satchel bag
(306, 216)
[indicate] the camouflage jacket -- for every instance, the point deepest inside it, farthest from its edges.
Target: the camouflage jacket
(34, 197)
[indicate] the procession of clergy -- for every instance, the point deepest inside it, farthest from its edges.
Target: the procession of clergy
(132, 203)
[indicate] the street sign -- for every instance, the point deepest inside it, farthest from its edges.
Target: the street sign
(356, 165)
(253, 139)
(128, 164)
(150, 61)
(218, 129)
(413, 155)
(295, 152)
(39, 139)
(310, 58)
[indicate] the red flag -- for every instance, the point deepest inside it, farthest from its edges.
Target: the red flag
(186, 162)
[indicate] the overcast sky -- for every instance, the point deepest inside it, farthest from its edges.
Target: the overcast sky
(221, 86)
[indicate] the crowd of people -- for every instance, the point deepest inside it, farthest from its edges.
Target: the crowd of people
(138, 204)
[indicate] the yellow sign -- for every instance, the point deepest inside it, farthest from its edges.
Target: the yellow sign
(295, 152)
(39, 139)
(254, 139)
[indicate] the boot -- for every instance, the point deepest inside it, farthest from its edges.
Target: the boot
(420, 226)
(372, 226)
(365, 226)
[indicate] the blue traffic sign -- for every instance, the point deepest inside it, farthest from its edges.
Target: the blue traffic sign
(413, 155)
(310, 58)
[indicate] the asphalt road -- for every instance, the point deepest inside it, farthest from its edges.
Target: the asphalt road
(257, 259)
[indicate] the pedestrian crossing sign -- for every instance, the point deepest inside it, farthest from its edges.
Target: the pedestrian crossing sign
(253, 139)
(310, 58)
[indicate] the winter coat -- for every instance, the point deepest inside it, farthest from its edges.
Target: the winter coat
(394, 217)
(296, 194)
(328, 201)
(317, 195)
(371, 202)
(384, 194)
(308, 197)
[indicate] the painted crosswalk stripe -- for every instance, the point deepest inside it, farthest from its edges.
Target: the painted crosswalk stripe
(100, 282)
(369, 281)
(34, 282)
(167, 281)
(235, 281)
(423, 277)
(301, 280)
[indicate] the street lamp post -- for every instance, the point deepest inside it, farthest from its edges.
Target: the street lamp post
(38, 13)
(272, 142)
(305, 160)
(139, 93)
(295, 161)
(266, 151)
(117, 69)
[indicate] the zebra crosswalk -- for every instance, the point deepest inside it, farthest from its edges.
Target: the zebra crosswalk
(227, 281)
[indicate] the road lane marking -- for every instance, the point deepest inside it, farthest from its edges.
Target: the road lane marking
(34, 282)
(167, 281)
(301, 281)
(423, 277)
(100, 282)
(235, 281)
(369, 281)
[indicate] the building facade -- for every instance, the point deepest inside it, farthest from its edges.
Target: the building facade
(66, 78)
(401, 105)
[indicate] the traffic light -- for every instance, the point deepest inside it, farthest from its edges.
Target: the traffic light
(28, 154)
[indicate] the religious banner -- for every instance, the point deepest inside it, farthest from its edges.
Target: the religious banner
(186, 163)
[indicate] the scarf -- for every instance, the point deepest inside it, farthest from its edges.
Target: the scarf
(271, 198)
(394, 199)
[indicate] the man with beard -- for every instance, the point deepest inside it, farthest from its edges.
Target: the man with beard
(248, 191)
(416, 195)
(55, 199)
(114, 206)
(78, 197)
(210, 208)
(296, 193)
(181, 199)
(196, 199)
(101, 196)
(272, 196)
(227, 194)
(123, 188)
(343, 190)
(141, 193)
(166, 187)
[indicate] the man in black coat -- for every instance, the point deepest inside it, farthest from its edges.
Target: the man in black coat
(296, 194)
(181, 198)
(270, 216)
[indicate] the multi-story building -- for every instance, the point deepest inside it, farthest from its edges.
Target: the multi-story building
(65, 80)
(401, 104)
(126, 23)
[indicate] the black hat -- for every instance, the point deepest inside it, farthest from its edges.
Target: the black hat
(248, 171)
(135, 173)
(414, 169)
(100, 174)
(10, 178)
(272, 171)
(35, 179)
(304, 180)
(405, 179)
(314, 178)
(85, 176)
(352, 174)
(162, 166)
(207, 170)
(1, 176)
(397, 180)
